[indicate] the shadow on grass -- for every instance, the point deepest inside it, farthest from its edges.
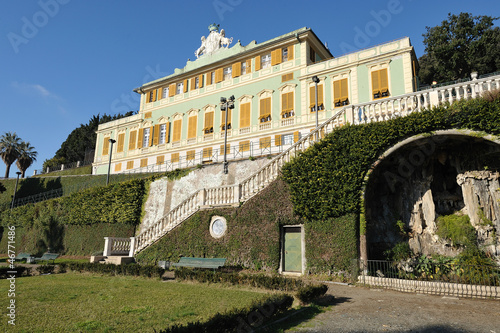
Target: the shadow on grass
(295, 317)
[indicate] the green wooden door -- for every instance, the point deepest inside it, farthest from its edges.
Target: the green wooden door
(293, 250)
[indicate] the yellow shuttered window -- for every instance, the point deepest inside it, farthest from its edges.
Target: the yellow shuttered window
(265, 142)
(223, 120)
(296, 136)
(380, 84)
(276, 57)
(177, 130)
(207, 152)
(171, 90)
(105, 146)
(174, 158)
(121, 141)
(144, 162)
(286, 77)
(277, 140)
(130, 165)
(190, 155)
(209, 78)
(245, 145)
(200, 81)
(209, 123)
(160, 159)
(132, 140)
(265, 110)
(244, 115)
(192, 84)
(219, 75)
(228, 149)
(236, 69)
(290, 52)
(312, 97)
(257, 63)
(287, 105)
(156, 135)
(192, 127)
(118, 167)
(159, 94)
(140, 136)
(340, 93)
(185, 88)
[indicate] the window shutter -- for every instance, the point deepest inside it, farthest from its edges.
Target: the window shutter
(171, 90)
(209, 78)
(148, 96)
(375, 82)
(140, 137)
(174, 158)
(277, 140)
(150, 136)
(228, 149)
(336, 91)
(186, 85)
(160, 94)
(219, 75)
(132, 139)
(121, 139)
(193, 83)
(257, 63)
(209, 120)
(200, 80)
(236, 69)
(144, 162)
(177, 130)
(160, 159)
(384, 82)
(130, 165)
(118, 167)
(105, 146)
(290, 52)
(245, 115)
(265, 107)
(320, 94)
(192, 127)
(249, 66)
(344, 92)
(296, 136)
(276, 57)
(156, 134)
(312, 96)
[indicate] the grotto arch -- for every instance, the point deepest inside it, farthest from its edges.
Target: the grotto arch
(426, 176)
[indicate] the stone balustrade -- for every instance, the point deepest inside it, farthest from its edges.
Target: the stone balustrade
(114, 246)
(379, 110)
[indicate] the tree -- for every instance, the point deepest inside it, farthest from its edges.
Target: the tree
(27, 155)
(9, 145)
(460, 45)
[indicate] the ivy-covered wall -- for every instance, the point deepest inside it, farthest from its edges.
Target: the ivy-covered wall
(253, 236)
(326, 180)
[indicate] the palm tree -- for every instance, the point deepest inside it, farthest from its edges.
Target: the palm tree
(9, 143)
(27, 155)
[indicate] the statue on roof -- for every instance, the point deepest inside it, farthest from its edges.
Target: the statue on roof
(213, 42)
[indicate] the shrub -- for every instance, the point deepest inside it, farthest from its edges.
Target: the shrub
(21, 271)
(45, 269)
(128, 269)
(457, 229)
(308, 293)
(400, 251)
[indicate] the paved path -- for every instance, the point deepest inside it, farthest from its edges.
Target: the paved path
(360, 309)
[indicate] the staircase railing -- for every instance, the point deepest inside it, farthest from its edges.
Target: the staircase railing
(374, 111)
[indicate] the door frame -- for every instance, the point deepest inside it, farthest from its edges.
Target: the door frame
(282, 249)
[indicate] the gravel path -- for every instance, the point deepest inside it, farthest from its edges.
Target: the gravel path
(360, 309)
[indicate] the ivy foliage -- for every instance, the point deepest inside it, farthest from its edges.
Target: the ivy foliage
(326, 180)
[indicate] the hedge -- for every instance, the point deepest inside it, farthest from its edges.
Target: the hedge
(127, 269)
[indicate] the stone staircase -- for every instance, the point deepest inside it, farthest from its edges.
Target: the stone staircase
(380, 110)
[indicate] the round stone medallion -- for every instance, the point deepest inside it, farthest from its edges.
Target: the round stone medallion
(218, 226)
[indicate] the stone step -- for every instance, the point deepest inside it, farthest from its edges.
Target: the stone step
(118, 260)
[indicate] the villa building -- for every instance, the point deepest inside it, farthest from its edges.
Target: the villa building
(181, 123)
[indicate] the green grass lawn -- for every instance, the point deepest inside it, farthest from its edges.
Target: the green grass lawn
(73, 302)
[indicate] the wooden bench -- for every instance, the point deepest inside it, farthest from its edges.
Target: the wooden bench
(213, 263)
(47, 257)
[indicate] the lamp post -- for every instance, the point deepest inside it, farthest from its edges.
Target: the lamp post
(316, 81)
(109, 163)
(226, 105)
(15, 190)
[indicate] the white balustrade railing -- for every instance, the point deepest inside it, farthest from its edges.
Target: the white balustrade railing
(379, 110)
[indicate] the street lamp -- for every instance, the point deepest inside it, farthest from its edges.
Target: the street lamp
(226, 105)
(316, 81)
(15, 190)
(109, 164)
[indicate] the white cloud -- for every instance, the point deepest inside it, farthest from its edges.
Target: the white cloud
(38, 89)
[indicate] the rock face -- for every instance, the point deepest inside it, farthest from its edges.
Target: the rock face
(405, 195)
(165, 195)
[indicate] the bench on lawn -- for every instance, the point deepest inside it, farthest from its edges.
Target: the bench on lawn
(22, 256)
(213, 263)
(47, 257)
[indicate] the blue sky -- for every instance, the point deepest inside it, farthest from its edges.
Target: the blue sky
(63, 61)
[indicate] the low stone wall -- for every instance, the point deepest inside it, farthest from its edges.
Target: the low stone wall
(432, 287)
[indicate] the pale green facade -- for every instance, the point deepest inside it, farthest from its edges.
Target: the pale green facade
(396, 59)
